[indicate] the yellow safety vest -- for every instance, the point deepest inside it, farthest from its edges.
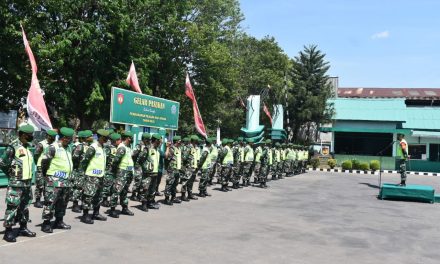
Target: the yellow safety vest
(155, 157)
(127, 161)
(258, 153)
(61, 165)
(24, 156)
(207, 162)
(96, 165)
(241, 151)
(249, 154)
(229, 158)
(277, 155)
(178, 162)
(270, 156)
(45, 146)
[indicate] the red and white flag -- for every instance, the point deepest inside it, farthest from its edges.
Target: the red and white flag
(266, 110)
(36, 107)
(132, 79)
(197, 117)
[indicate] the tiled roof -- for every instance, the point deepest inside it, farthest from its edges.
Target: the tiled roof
(408, 93)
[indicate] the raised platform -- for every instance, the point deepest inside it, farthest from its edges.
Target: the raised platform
(419, 193)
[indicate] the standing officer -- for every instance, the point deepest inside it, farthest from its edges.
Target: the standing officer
(402, 154)
(123, 168)
(86, 139)
(266, 159)
(173, 156)
(204, 166)
(214, 163)
(93, 167)
(144, 144)
(17, 163)
(257, 162)
(270, 156)
(109, 177)
(40, 149)
(248, 161)
(226, 159)
(192, 170)
(57, 167)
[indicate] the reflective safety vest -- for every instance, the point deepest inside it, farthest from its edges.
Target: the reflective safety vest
(155, 158)
(214, 154)
(195, 159)
(177, 164)
(283, 154)
(258, 153)
(241, 151)
(229, 157)
(24, 157)
(399, 152)
(45, 146)
(61, 165)
(277, 155)
(249, 154)
(291, 154)
(207, 162)
(270, 156)
(97, 164)
(127, 161)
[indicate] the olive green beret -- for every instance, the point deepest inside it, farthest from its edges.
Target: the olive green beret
(240, 139)
(277, 144)
(87, 133)
(127, 134)
(209, 140)
(195, 138)
(177, 138)
(103, 132)
(250, 140)
(51, 133)
(186, 139)
(115, 136)
(67, 132)
(156, 136)
(26, 129)
(110, 130)
(225, 141)
(268, 141)
(146, 135)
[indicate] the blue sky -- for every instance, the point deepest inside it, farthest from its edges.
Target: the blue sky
(369, 43)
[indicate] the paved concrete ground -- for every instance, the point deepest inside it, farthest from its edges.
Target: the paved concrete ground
(316, 217)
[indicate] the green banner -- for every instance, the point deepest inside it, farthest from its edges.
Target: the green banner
(133, 108)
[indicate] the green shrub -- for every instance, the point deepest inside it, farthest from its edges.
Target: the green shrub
(331, 163)
(375, 165)
(347, 165)
(364, 166)
(314, 162)
(356, 165)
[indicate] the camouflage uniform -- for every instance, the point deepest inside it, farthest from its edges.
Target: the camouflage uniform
(39, 179)
(77, 176)
(247, 164)
(265, 167)
(226, 160)
(174, 170)
(137, 175)
(204, 166)
(256, 168)
(109, 176)
(149, 176)
(124, 176)
(189, 156)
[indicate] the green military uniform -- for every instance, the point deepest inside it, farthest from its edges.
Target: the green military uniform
(109, 176)
(226, 159)
(149, 162)
(191, 168)
(214, 163)
(17, 163)
(248, 153)
(143, 145)
(174, 168)
(40, 149)
(277, 161)
(77, 176)
(123, 166)
(204, 165)
(402, 156)
(93, 167)
(270, 158)
(57, 167)
(257, 163)
(266, 160)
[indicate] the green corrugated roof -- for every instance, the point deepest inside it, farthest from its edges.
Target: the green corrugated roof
(369, 109)
(422, 118)
(365, 130)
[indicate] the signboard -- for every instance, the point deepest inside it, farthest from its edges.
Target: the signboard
(8, 119)
(133, 108)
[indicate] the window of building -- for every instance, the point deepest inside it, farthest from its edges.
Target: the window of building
(434, 152)
(417, 151)
(363, 143)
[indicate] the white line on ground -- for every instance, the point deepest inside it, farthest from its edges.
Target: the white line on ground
(32, 239)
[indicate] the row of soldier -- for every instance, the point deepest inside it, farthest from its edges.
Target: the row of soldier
(94, 172)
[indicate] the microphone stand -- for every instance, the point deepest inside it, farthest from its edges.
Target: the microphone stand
(380, 153)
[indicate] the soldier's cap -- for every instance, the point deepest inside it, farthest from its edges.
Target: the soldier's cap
(240, 139)
(85, 134)
(250, 140)
(51, 133)
(194, 138)
(177, 138)
(127, 134)
(268, 141)
(115, 136)
(110, 130)
(156, 137)
(225, 141)
(103, 132)
(66, 132)
(209, 140)
(290, 144)
(186, 139)
(277, 144)
(146, 135)
(28, 129)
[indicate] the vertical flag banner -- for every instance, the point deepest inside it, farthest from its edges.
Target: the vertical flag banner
(36, 106)
(197, 117)
(132, 79)
(266, 110)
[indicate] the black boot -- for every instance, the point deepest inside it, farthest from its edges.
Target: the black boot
(191, 196)
(86, 217)
(402, 183)
(175, 199)
(24, 231)
(235, 185)
(144, 206)
(261, 185)
(113, 213)
(97, 215)
(59, 224)
(46, 227)
(184, 198)
(207, 194)
(9, 235)
(126, 211)
(152, 205)
(75, 207)
(224, 188)
(106, 203)
(38, 203)
(134, 196)
(167, 200)
(202, 194)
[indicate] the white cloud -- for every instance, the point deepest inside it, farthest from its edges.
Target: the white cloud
(381, 35)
